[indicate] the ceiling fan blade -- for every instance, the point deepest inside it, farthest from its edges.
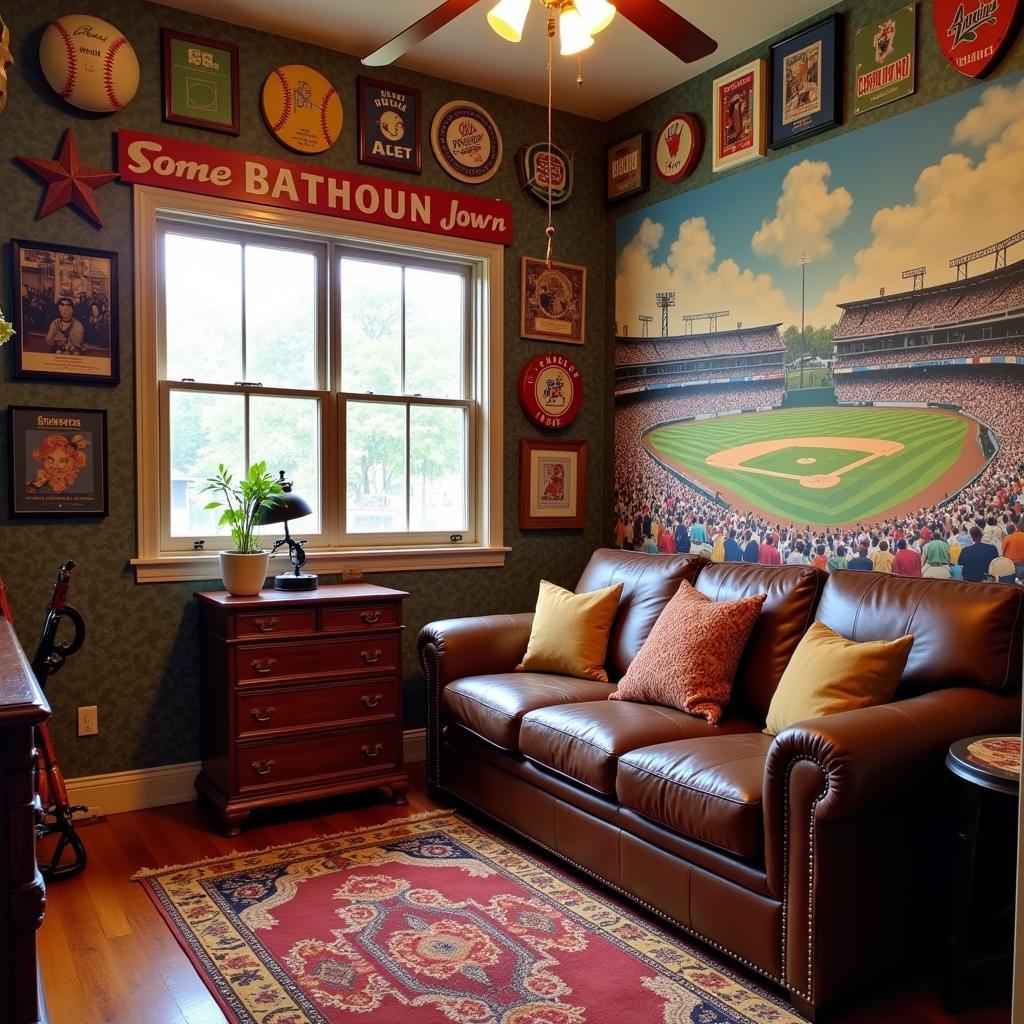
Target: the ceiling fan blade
(398, 47)
(664, 26)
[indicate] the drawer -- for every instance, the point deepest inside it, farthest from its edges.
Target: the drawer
(349, 617)
(311, 659)
(267, 623)
(288, 762)
(306, 707)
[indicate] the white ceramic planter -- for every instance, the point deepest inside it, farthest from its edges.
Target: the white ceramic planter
(244, 575)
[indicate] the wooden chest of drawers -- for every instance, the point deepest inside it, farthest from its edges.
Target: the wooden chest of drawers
(302, 696)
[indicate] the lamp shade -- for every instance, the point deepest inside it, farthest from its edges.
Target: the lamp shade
(289, 506)
(573, 32)
(596, 14)
(507, 18)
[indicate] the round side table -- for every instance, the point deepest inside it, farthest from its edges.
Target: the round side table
(981, 934)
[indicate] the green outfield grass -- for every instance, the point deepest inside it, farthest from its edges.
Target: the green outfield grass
(932, 444)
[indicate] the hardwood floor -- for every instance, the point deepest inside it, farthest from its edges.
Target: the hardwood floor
(108, 957)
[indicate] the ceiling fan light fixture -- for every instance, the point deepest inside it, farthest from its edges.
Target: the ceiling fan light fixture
(507, 18)
(596, 14)
(572, 30)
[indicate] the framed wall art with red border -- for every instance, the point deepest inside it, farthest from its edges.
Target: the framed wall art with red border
(678, 147)
(552, 484)
(974, 35)
(551, 390)
(738, 107)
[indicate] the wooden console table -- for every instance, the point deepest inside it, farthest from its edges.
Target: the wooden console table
(302, 696)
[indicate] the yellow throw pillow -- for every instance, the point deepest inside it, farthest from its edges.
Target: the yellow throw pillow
(570, 632)
(829, 673)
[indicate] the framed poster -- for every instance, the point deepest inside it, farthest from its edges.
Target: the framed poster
(65, 312)
(628, 164)
(552, 484)
(200, 82)
(552, 301)
(389, 125)
(885, 55)
(806, 82)
(678, 148)
(58, 461)
(738, 107)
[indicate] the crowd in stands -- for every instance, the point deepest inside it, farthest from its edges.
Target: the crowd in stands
(697, 346)
(713, 373)
(964, 350)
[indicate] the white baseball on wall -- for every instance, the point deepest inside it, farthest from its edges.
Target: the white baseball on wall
(89, 63)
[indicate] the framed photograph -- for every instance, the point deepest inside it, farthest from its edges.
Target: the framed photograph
(58, 461)
(628, 167)
(806, 82)
(552, 301)
(552, 484)
(738, 107)
(65, 312)
(389, 125)
(200, 82)
(885, 55)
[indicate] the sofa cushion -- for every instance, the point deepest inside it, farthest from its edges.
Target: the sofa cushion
(648, 582)
(793, 592)
(585, 741)
(965, 634)
(707, 788)
(689, 659)
(493, 706)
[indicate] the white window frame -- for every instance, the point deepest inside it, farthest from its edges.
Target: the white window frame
(155, 562)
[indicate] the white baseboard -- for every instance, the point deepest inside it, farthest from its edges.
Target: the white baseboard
(172, 783)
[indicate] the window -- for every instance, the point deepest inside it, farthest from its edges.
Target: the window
(361, 361)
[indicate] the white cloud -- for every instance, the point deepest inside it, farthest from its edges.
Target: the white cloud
(805, 214)
(700, 284)
(1000, 106)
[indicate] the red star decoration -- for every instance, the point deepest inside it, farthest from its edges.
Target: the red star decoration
(68, 181)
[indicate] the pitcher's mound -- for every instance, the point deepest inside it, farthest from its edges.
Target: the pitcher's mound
(806, 461)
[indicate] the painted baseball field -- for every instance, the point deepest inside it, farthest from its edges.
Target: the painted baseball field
(824, 466)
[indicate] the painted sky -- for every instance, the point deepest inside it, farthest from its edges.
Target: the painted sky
(913, 190)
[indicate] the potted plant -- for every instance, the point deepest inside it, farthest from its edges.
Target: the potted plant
(244, 568)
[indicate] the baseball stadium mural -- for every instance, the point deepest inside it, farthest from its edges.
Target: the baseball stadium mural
(828, 349)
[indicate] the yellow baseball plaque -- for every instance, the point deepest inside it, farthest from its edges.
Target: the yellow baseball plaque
(302, 109)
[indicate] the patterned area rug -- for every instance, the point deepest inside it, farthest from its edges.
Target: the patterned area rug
(431, 919)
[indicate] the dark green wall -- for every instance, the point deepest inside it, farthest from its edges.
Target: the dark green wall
(140, 662)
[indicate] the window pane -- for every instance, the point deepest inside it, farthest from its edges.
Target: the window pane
(434, 326)
(203, 308)
(437, 462)
(206, 430)
(375, 462)
(280, 317)
(371, 327)
(285, 433)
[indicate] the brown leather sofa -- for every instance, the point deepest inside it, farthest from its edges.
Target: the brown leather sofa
(817, 858)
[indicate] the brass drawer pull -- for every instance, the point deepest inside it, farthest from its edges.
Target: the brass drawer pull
(370, 617)
(371, 657)
(263, 767)
(262, 716)
(377, 748)
(263, 666)
(372, 702)
(266, 625)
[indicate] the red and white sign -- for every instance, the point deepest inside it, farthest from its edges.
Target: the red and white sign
(551, 390)
(678, 148)
(974, 34)
(247, 177)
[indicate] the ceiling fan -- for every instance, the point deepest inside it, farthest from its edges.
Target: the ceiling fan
(679, 36)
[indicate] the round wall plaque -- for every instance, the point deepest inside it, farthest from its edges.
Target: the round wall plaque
(551, 390)
(466, 141)
(539, 167)
(302, 109)
(678, 148)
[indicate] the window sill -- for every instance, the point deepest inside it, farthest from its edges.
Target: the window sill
(206, 566)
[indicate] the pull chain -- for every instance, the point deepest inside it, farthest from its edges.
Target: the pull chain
(550, 229)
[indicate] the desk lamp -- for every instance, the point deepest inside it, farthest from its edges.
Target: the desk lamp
(290, 506)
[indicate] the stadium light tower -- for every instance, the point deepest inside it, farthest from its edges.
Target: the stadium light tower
(665, 300)
(805, 258)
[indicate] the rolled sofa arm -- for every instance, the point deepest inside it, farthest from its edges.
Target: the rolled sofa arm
(450, 649)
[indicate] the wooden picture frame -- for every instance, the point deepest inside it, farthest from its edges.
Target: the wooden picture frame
(628, 167)
(53, 341)
(552, 301)
(57, 461)
(197, 72)
(806, 77)
(552, 484)
(390, 132)
(738, 108)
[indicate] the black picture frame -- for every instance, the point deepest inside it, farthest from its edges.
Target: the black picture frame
(376, 99)
(48, 347)
(58, 461)
(185, 98)
(628, 167)
(805, 73)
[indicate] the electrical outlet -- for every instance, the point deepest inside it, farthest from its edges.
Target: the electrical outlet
(88, 721)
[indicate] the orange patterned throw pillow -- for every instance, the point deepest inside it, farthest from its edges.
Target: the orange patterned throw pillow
(690, 656)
